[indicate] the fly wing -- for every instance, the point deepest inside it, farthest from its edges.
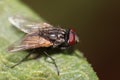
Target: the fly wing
(30, 41)
(26, 25)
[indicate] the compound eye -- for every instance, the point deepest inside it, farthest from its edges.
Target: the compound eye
(71, 40)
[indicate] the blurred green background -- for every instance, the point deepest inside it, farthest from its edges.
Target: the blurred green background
(97, 23)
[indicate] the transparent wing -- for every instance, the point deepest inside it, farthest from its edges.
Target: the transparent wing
(30, 41)
(26, 25)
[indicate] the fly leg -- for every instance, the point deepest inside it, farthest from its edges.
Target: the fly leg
(58, 72)
(21, 60)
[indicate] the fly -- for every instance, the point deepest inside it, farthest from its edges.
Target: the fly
(41, 35)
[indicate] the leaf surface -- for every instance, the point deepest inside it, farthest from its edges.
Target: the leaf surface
(72, 67)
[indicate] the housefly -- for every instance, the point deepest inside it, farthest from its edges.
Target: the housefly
(41, 35)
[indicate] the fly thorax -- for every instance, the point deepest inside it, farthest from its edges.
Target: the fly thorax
(54, 35)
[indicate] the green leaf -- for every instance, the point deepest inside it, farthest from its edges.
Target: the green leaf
(72, 67)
